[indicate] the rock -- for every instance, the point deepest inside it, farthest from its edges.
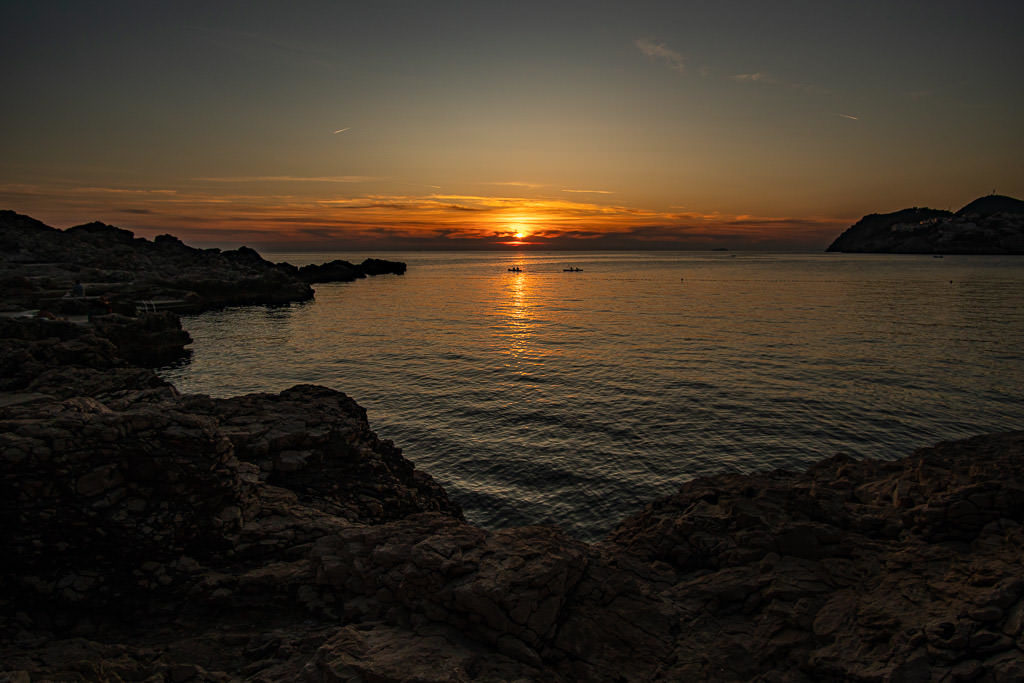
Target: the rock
(374, 266)
(380, 652)
(101, 234)
(122, 273)
(15, 677)
(317, 443)
(32, 348)
(334, 271)
(149, 339)
(343, 271)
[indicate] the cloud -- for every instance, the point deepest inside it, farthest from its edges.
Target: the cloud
(120, 190)
(289, 179)
(754, 78)
(437, 220)
(673, 59)
(516, 183)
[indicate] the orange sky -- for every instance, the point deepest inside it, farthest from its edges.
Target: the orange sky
(577, 219)
(389, 125)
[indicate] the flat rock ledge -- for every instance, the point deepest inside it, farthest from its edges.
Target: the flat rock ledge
(153, 536)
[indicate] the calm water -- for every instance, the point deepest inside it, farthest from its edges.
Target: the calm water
(572, 398)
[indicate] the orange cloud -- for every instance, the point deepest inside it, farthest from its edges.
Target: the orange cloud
(436, 220)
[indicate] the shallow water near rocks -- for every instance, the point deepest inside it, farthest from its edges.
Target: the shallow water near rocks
(574, 397)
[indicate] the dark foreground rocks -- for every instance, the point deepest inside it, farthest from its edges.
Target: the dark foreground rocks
(149, 535)
(989, 225)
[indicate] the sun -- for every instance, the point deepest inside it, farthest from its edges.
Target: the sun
(516, 229)
(519, 232)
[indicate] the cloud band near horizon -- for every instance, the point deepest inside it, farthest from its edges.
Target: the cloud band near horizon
(397, 221)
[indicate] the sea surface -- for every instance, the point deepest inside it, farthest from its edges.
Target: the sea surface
(575, 397)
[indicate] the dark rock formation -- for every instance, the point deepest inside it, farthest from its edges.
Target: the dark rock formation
(333, 271)
(376, 266)
(125, 285)
(153, 536)
(148, 339)
(317, 443)
(125, 272)
(122, 273)
(992, 205)
(988, 225)
(343, 271)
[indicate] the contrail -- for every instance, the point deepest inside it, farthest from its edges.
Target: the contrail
(852, 118)
(342, 130)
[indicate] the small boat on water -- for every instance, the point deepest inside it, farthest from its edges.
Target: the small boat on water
(515, 269)
(571, 269)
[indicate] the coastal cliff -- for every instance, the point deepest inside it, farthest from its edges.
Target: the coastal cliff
(989, 225)
(151, 535)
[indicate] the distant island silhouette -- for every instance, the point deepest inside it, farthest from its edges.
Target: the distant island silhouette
(993, 224)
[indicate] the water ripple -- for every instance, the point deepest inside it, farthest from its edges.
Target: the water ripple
(536, 397)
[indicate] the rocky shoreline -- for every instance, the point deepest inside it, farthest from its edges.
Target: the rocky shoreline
(116, 271)
(130, 288)
(151, 535)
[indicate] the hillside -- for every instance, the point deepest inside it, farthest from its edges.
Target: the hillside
(988, 225)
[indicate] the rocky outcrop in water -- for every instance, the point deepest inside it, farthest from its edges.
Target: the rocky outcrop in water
(343, 271)
(121, 273)
(149, 535)
(125, 286)
(988, 225)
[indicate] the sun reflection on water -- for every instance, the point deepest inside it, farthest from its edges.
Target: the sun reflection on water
(519, 324)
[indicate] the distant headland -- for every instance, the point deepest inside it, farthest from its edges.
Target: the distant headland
(989, 225)
(39, 264)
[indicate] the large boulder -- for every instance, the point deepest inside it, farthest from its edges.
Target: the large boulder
(375, 266)
(98, 502)
(317, 442)
(147, 339)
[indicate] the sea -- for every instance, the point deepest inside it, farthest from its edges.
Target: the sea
(573, 398)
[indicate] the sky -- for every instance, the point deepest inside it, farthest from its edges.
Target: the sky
(546, 125)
